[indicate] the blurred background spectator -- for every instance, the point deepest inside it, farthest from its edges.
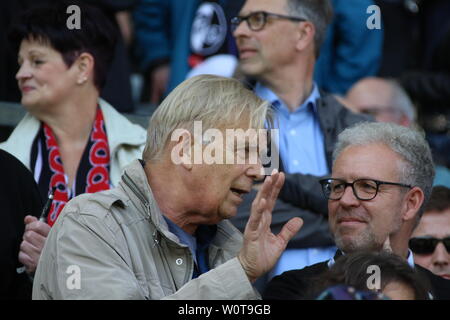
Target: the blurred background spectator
(117, 88)
(397, 280)
(387, 101)
(175, 36)
(430, 241)
(383, 99)
(415, 52)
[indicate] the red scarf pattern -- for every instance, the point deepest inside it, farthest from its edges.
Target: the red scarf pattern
(93, 169)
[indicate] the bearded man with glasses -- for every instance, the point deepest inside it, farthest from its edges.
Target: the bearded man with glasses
(381, 179)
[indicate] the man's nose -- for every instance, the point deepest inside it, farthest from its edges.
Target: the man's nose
(349, 199)
(241, 29)
(256, 171)
(440, 256)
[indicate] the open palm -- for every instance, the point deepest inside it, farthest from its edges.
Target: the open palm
(262, 248)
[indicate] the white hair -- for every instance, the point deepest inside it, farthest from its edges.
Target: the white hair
(417, 167)
(214, 100)
(401, 101)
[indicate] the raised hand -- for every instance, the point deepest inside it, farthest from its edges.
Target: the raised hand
(262, 248)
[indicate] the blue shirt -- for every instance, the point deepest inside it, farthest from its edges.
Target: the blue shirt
(301, 141)
(198, 244)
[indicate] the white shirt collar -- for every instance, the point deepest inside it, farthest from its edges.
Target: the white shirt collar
(410, 260)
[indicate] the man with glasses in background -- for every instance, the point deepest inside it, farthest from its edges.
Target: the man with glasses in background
(430, 241)
(382, 177)
(279, 43)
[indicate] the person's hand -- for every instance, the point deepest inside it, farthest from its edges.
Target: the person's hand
(34, 237)
(159, 79)
(262, 248)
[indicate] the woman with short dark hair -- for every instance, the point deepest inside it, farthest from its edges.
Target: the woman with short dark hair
(70, 139)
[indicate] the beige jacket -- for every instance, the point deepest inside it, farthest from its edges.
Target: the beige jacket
(117, 245)
(126, 140)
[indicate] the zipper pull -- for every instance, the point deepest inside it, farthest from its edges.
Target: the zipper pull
(155, 238)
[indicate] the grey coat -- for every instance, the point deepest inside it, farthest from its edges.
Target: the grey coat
(119, 246)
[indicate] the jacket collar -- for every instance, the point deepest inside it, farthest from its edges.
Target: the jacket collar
(16, 144)
(130, 134)
(339, 253)
(134, 180)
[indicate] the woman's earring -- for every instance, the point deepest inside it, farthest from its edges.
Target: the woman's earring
(82, 80)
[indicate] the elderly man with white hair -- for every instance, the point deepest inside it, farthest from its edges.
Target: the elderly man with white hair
(163, 232)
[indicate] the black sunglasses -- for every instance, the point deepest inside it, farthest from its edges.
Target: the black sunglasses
(427, 245)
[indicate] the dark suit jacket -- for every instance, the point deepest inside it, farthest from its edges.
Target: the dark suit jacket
(297, 284)
(19, 196)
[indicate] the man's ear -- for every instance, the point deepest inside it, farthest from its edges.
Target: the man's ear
(84, 65)
(306, 34)
(412, 203)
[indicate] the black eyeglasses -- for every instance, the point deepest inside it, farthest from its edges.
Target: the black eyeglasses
(257, 20)
(363, 189)
(427, 245)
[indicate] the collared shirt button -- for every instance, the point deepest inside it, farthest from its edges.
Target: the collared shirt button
(293, 132)
(179, 261)
(295, 162)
